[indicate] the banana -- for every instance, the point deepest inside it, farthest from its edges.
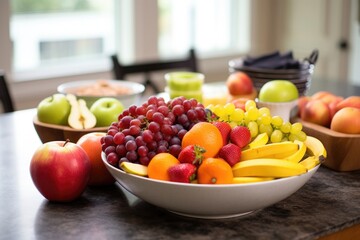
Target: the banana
(134, 168)
(268, 167)
(299, 154)
(269, 150)
(259, 140)
(237, 180)
(310, 162)
(315, 147)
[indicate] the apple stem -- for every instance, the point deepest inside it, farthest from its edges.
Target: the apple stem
(66, 141)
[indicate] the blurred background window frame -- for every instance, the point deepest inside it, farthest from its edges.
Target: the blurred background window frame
(128, 28)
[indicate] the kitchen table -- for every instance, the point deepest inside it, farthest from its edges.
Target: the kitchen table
(328, 206)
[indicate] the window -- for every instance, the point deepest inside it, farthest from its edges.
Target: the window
(51, 38)
(46, 34)
(211, 26)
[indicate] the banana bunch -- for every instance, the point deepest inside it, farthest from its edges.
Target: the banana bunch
(277, 160)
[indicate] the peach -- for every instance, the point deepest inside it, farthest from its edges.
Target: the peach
(301, 103)
(352, 101)
(251, 96)
(316, 111)
(326, 97)
(239, 83)
(346, 120)
(240, 102)
(99, 175)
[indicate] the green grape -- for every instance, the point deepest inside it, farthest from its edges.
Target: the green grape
(285, 139)
(293, 137)
(219, 110)
(253, 127)
(265, 111)
(265, 128)
(276, 136)
(265, 119)
(229, 108)
(249, 104)
(296, 128)
(252, 113)
(238, 115)
(224, 118)
(285, 127)
(276, 121)
(301, 136)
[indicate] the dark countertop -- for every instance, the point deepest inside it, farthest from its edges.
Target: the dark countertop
(328, 203)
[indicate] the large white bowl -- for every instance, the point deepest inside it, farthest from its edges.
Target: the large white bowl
(209, 201)
(132, 96)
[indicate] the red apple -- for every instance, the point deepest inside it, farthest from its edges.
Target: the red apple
(99, 175)
(239, 83)
(60, 170)
(316, 111)
(346, 120)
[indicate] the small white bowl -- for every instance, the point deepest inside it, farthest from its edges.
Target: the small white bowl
(206, 200)
(282, 109)
(130, 92)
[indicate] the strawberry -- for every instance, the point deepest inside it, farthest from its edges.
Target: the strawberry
(192, 154)
(231, 153)
(224, 129)
(240, 136)
(183, 172)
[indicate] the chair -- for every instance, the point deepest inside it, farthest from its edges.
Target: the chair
(5, 97)
(121, 71)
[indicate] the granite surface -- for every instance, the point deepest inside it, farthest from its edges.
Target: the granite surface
(329, 202)
(322, 206)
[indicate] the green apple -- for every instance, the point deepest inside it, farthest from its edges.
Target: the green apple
(278, 91)
(106, 110)
(54, 110)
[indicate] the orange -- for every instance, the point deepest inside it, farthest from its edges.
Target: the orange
(206, 135)
(159, 166)
(215, 171)
(99, 175)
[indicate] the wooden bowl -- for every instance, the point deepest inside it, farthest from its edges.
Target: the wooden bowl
(343, 150)
(51, 132)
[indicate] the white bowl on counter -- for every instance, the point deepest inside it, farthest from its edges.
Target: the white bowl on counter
(90, 90)
(209, 201)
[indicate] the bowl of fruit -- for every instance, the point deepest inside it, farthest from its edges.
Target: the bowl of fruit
(62, 117)
(91, 90)
(207, 162)
(335, 120)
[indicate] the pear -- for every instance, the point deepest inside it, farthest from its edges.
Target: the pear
(80, 116)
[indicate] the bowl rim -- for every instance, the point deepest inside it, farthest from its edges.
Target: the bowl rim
(237, 64)
(200, 186)
(135, 86)
(65, 128)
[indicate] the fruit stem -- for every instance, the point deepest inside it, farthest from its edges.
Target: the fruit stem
(66, 141)
(213, 180)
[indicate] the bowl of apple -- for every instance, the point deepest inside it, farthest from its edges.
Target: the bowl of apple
(66, 117)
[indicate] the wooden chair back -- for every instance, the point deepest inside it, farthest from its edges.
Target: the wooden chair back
(121, 71)
(5, 96)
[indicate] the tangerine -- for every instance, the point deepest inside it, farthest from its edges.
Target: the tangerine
(206, 135)
(215, 171)
(159, 165)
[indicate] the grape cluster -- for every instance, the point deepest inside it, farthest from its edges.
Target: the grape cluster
(259, 120)
(154, 127)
